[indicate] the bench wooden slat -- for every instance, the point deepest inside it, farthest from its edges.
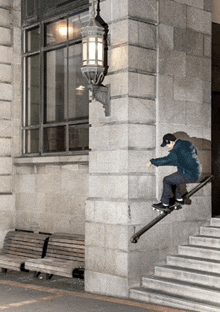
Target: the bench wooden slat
(70, 247)
(25, 254)
(24, 247)
(20, 246)
(67, 258)
(63, 255)
(65, 252)
(52, 266)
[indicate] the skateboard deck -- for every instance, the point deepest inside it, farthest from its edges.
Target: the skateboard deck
(168, 209)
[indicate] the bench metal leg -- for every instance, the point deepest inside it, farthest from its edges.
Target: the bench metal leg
(78, 273)
(48, 276)
(36, 274)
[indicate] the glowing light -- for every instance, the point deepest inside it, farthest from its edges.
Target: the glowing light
(80, 88)
(62, 30)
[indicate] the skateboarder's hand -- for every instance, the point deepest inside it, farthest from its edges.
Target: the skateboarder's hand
(149, 164)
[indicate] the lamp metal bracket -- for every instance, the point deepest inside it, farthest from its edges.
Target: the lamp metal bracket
(101, 94)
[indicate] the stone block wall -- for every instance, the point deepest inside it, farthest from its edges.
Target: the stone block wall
(120, 186)
(159, 73)
(10, 82)
(184, 76)
(50, 193)
(159, 61)
(46, 194)
(183, 107)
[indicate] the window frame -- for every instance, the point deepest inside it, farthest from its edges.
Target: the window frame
(43, 49)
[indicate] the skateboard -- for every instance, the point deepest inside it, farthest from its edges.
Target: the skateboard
(175, 206)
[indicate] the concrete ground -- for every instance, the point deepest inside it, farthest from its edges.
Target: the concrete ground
(21, 292)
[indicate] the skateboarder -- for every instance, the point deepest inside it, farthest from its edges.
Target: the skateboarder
(183, 155)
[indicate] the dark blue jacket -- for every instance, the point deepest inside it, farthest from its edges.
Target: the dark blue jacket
(184, 155)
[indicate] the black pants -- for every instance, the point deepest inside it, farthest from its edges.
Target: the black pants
(175, 179)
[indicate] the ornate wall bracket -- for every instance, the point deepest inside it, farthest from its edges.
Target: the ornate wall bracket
(102, 94)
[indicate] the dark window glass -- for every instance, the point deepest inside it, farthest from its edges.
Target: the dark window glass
(33, 90)
(78, 91)
(54, 139)
(32, 141)
(75, 23)
(56, 99)
(56, 32)
(79, 137)
(56, 85)
(33, 40)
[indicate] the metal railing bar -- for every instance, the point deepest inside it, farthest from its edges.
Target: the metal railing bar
(136, 236)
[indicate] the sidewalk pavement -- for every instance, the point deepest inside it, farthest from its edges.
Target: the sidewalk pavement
(21, 292)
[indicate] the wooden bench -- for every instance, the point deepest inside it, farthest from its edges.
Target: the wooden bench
(65, 255)
(19, 246)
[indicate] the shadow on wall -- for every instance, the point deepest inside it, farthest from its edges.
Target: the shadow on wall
(204, 151)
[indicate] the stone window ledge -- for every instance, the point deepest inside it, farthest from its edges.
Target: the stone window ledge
(52, 160)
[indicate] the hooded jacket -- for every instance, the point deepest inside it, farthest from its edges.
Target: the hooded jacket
(184, 156)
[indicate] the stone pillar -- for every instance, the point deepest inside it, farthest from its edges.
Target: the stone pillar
(159, 72)
(184, 87)
(120, 185)
(8, 55)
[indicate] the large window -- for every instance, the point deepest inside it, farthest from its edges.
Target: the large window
(56, 101)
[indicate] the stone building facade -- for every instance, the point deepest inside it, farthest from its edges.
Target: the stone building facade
(159, 58)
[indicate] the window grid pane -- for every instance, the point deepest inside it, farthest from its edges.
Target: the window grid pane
(33, 40)
(56, 108)
(56, 32)
(56, 86)
(33, 90)
(79, 137)
(32, 141)
(54, 139)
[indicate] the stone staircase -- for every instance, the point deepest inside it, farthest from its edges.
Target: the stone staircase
(191, 279)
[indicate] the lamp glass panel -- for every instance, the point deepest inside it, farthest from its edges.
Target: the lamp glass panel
(85, 52)
(92, 53)
(100, 51)
(92, 49)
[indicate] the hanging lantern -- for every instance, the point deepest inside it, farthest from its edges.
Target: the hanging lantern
(93, 60)
(93, 50)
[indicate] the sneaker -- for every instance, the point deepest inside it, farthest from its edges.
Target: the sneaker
(160, 206)
(179, 201)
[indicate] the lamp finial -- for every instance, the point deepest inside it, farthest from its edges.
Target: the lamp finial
(93, 9)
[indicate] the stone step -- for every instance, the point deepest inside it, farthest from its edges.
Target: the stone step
(182, 288)
(179, 302)
(189, 280)
(210, 231)
(215, 222)
(208, 241)
(188, 275)
(199, 251)
(194, 263)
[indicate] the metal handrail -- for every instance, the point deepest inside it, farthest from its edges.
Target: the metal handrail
(136, 236)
